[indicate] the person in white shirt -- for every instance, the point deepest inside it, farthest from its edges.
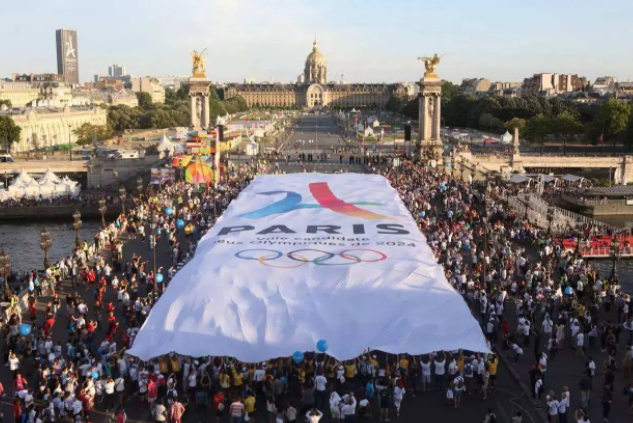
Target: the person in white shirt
(349, 407)
(552, 405)
(426, 374)
(335, 400)
(440, 370)
(398, 394)
(580, 343)
(320, 392)
(314, 416)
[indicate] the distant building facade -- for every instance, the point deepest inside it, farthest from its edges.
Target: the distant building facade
(19, 93)
(149, 85)
(312, 89)
(67, 55)
(46, 127)
(604, 85)
(475, 86)
(551, 84)
(116, 70)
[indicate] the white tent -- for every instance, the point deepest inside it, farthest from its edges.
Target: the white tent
(519, 179)
(32, 189)
(49, 176)
(506, 138)
(572, 178)
(251, 148)
(166, 144)
(22, 179)
(47, 188)
(268, 280)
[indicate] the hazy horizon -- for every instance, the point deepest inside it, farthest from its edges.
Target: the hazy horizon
(369, 41)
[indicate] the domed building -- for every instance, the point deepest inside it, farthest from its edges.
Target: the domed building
(313, 89)
(316, 66)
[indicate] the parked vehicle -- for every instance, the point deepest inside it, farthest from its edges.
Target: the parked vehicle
(6, 158)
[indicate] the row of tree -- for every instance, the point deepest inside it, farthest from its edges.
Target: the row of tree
(541, 118)
(149, 115)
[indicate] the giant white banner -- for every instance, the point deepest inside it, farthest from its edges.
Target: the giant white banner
(303, 257)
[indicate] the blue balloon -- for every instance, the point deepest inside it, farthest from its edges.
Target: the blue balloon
(422, 213)
(169, 211)
(195, 230)
(117, 224)
(25, 329)
(442, 186)
(322, 345)
(157, 231)
(94, 375)
(467, 247)
(159, 277)
(180, 223)
(569, 291)
(297, 357)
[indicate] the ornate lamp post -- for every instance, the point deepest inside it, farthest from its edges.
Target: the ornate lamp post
(139, 187)
(5, 270)
(550, 218)
(77, 224)
(102, 209)
(122, 197)
(153, 226)
(45, 244)
(615, 256)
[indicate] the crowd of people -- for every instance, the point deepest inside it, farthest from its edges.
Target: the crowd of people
(526, 291)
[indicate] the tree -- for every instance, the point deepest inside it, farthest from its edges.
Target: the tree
(144, 100)
(537, 129)
(449, 90)
(85, 131)
(566, 127)
(9, 131)
(628, 135)
(614, 116)
(515, 123)
(6, 103)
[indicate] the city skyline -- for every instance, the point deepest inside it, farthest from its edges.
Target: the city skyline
(486, 39)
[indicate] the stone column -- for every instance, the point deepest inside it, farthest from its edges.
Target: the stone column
(194, 117)
(205, 111)
(430, 118)
(437, 124)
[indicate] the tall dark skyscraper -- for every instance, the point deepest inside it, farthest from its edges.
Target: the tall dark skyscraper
(67, 55)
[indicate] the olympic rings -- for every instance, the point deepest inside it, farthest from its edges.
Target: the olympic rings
(321, 260)
(238, 254)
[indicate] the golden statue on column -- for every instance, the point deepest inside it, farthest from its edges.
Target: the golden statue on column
(198, 64)
(430, 63)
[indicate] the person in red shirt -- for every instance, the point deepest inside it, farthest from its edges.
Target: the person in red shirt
(32, 312)
(17, 410)
(218, 406)
(85, 400)
(111, 321)
(121, 417)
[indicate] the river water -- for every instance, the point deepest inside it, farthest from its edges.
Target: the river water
(22, 241)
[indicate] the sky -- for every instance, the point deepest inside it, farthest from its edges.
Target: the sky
(367, 40)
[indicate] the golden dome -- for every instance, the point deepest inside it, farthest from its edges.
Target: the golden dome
(316, 58)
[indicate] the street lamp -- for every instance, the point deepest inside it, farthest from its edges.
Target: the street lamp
(45, 244)
(139, 187)
(153, 226)
(77, 224)
(550, 218)
(102, 209)
(122, 196)
(5, 270)
(615, 256)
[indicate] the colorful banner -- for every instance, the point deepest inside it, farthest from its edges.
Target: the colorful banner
(303, 257)
(163, 175)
